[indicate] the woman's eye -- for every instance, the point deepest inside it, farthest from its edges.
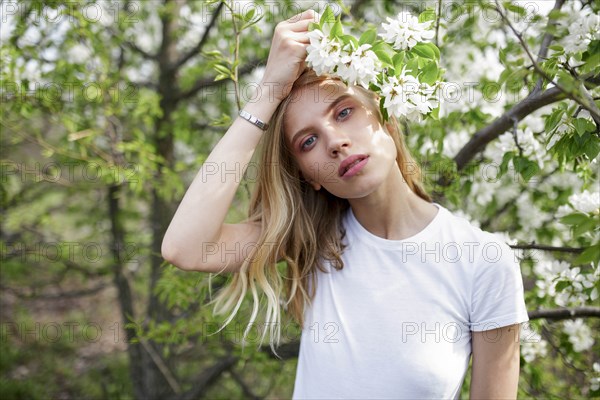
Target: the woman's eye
(344, 113)
(308, 142)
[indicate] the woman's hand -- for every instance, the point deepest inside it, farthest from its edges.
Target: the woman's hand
(287, 54)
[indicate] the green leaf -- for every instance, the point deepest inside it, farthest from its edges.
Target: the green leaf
(222, 69)
(504, 164)
(383, 110)
(556, 14)
(250, 14)
(434, 48)
(427, 15)
(553, 120)
(327, 18)
(592, 148)
(349, 39)
(557, 48)
(574, 219)
(562, 285)
(429, 74)
(368, 37)
(589, 255)
(583, 125)
(525, 167)
(412, 67)
(516, 9)
(212, 54)
(398, 61)
(337, 30)
(384, 52)
(566, 80)
(421, 49)
(587, 226)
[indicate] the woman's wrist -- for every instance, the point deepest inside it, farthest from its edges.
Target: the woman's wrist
(264, 103)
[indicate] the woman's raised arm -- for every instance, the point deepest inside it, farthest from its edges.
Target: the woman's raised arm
(197, 237)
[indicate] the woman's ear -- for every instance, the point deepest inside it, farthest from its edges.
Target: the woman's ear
(315, 185)
(312, 183)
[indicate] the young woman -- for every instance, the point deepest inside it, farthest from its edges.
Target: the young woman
(394, 293)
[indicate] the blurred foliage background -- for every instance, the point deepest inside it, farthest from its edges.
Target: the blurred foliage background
(109, 109)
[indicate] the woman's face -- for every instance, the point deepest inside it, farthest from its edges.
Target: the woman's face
(337, 141)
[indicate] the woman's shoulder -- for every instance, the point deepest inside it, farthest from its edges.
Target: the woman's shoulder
(461, 224)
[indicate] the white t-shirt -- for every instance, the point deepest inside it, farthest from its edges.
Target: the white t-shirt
(396, 321)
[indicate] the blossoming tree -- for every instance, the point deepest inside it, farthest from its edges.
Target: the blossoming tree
(498, 100)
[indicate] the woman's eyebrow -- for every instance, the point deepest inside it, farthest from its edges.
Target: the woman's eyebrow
(330, 107)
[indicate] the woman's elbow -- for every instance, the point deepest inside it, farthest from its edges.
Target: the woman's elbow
(173, 255)
(170, 253)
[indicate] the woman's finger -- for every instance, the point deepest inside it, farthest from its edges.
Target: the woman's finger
(300, 37)
(300, 26)
(304, 15)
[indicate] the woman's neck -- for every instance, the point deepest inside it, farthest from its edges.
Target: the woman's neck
(393, 211)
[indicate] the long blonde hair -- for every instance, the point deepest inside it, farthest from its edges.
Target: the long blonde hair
(299, 225)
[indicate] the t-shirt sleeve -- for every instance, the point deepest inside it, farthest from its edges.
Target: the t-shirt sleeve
(497, 294)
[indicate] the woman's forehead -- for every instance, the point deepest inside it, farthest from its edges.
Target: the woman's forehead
(319, 93)
(312, 100)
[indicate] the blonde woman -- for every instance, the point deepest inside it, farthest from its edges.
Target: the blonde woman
(394, 293)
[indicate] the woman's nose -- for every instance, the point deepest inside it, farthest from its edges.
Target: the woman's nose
(337, 140)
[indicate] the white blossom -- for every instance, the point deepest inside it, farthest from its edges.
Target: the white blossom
(530, 216)
(405, 31)
(361, 66)
(454, 142)
(524, 142)
(586, 202)
(580, 335)
(562, 211)
(406, 96)
(595, 381)
(581, 32)
(324, 54)
(532, 344)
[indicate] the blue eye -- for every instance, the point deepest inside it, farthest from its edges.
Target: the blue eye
(344, 113)
(307, 142)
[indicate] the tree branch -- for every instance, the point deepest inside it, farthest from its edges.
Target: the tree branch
(485, 135)
(248, 394)
(208, 377)
(533, 246)
(202, 41)
(549, 37)
(565, 313)
(162, 367)
(585, 102)
(206, 83)
(138, 50)
(437, 22)
(56, 296)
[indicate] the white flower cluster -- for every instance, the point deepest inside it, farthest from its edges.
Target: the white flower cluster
(525, 142)
(581, 32)
(405, 31)
(580, 335)
(532, 344)
(550, 272)
(326, 55)
(595, 381)
(404, 94)
(586, 202)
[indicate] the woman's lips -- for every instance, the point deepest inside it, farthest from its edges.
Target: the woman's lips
(353, 165)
